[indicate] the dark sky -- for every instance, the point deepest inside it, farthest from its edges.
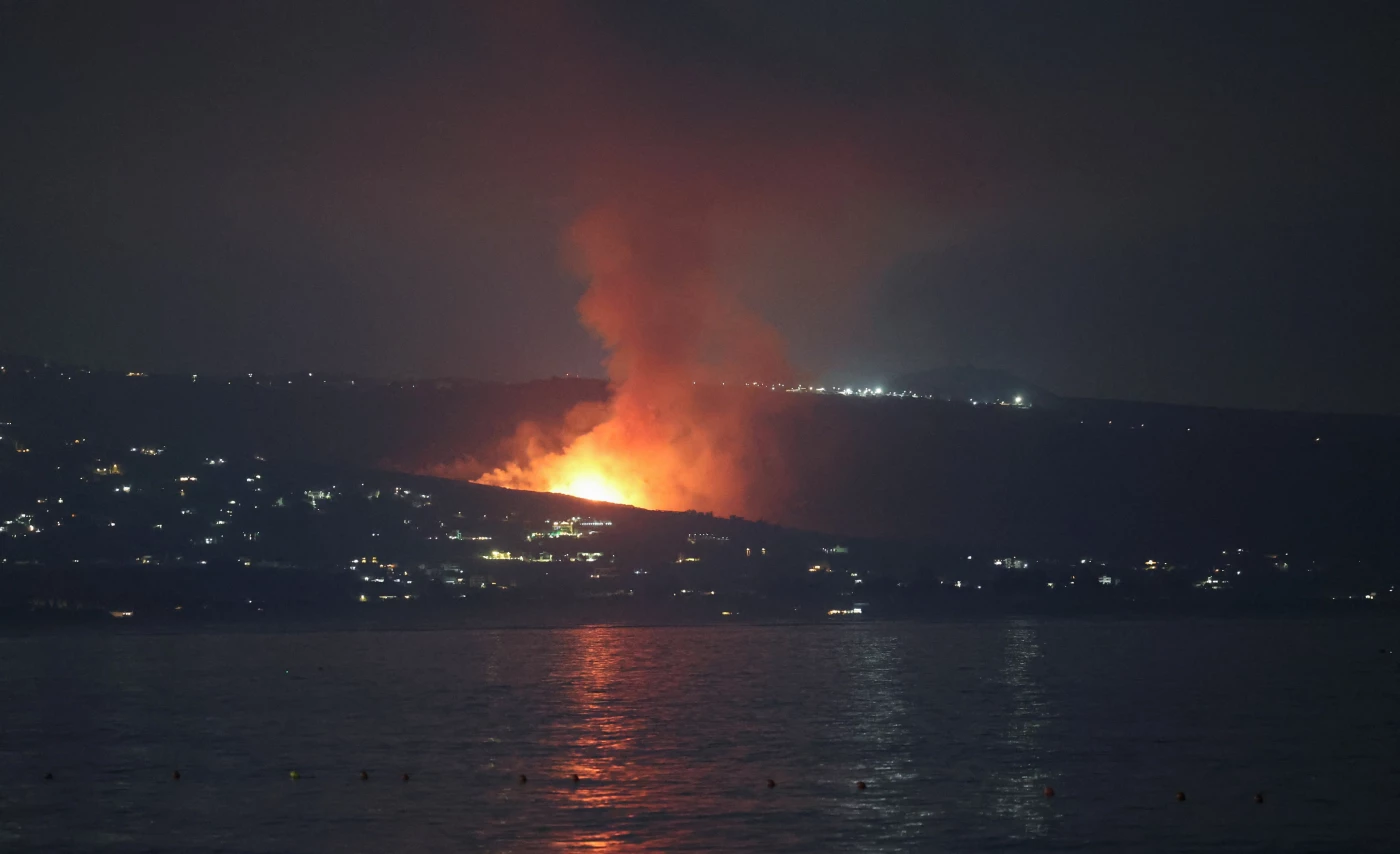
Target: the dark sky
(1183, 202)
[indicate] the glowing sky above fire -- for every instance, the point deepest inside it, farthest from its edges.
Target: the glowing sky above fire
(1179, 202)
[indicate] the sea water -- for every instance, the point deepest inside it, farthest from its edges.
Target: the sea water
(955, 728)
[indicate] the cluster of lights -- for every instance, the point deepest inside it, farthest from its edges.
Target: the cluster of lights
(848, 391)
(851, 391)
(694, 538)
(500, 555)
(458, 535)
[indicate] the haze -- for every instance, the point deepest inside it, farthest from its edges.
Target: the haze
(1190, 203)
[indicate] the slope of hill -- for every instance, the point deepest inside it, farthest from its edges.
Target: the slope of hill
(1103, 477)
(159, 495)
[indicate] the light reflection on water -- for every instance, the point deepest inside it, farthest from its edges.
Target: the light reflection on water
(1022, 772)
(595, 738)
(879, 728)
(674, 732)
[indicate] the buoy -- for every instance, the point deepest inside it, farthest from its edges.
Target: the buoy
(772, 784)
(364, 775)
(405, 777)
(1259, 797)
(175, 775)
(48, 775)
(575, 778)
(1049, 791)
(861, 785)
(294, 775)
(524, 779)
(1181, 796)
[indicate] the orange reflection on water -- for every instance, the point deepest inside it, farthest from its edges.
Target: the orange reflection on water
(637, 731)
(599, 737)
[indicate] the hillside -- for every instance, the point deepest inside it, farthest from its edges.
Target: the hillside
(181, 498)
(1107, 477)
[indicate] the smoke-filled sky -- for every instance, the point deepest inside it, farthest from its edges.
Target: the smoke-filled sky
(1184, 202)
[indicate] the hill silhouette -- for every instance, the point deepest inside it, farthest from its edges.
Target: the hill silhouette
(1100, 476)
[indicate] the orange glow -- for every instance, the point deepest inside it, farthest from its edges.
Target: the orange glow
(594, 487)
(661, 449)
(598, 742)
(671, 437)
(681, 231)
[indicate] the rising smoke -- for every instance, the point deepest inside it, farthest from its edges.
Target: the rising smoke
(681, 224)
(672, 330)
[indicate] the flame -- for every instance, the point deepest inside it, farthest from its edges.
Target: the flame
(593, 486)
(599, 465)
(669, 438)
(669, 448)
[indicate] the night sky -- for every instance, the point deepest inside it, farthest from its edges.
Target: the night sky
(1181, 202)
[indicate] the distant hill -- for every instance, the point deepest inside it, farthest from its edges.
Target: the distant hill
(1080, 477)
(967, 383)
(161, 500)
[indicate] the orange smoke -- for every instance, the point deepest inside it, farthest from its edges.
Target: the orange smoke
(668, 439)
(692, 196)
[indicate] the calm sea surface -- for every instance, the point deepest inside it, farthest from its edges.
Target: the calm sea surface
(955, 727)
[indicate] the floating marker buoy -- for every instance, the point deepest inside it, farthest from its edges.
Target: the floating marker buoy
(364, 775)
(1259, 798)
(1181, 796)
(575, 778)
(175, 775)
(861, 785)
(48, 775)
(1049, 791)
(772, 784)
(405, 777)
(294, 775)
(524, 779)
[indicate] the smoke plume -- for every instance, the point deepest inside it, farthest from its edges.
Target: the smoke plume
(685, 221)
(672, 330)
